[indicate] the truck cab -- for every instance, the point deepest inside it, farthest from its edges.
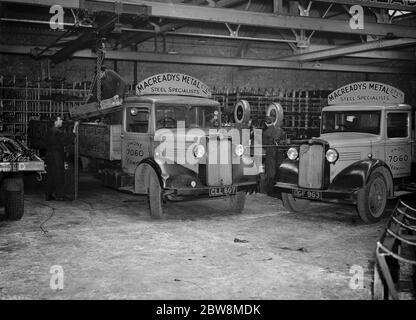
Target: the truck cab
(363, 156)
(168, 142)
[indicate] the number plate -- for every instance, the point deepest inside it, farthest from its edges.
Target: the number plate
(307, 194)
(222, 191)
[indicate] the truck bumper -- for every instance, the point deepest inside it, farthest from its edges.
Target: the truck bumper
(333, 196)
(22, 166)
(205, 191)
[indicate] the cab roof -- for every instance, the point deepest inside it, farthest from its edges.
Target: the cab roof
(368, 107)
(172, 99)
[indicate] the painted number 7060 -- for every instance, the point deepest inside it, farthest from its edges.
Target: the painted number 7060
(399, 158)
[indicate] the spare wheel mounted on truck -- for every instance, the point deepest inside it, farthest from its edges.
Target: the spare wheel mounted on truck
(167, 142)
(364, 155)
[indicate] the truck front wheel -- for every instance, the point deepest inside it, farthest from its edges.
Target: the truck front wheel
(237, 201)
(372, 199)
(155, 195)
(294, 204)
(13, 192)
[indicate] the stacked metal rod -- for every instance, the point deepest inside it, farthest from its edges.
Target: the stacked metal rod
(394, 272)
(14, 151)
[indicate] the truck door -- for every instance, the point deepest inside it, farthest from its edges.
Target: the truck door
(135, 137)
(399, 143)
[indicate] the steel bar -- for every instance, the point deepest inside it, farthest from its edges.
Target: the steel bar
(268, 20)
(218, 61)
(385, 4)
(345, 50)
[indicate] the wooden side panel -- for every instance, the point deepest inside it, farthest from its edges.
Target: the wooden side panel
(94, 140)
(115, 147)
(311, 164)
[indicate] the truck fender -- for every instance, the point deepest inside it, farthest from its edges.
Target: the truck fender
(140, 182)
(288, 171)
(356, 176)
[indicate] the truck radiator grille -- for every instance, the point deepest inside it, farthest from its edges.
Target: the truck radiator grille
(350, 156)
(219, 164)
(311, 166)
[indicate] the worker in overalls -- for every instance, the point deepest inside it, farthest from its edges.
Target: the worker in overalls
(55, 142)
(112, 85)
(271, 137)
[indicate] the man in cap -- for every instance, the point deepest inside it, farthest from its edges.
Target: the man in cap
(112, 85)
(55, 141)
(271, 137)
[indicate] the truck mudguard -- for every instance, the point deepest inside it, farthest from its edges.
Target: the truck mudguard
(288, 171)
(352, 178)
(356, 176)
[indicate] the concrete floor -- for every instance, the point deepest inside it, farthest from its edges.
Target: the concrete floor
(109, 248)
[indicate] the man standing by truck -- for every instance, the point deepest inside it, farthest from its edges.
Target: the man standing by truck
(56, 140)
(112, 85)
(272, 136)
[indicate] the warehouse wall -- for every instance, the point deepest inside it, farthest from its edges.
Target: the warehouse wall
(78, 70)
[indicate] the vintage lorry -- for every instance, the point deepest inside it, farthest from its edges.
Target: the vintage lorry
(365, 153)
(167, 142)
(15, 160)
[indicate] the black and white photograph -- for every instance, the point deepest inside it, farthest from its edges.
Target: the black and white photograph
(207, 156)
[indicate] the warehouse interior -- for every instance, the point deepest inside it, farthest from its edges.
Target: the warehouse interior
(105, 243)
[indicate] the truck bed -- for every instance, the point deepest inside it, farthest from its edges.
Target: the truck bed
(100, 141)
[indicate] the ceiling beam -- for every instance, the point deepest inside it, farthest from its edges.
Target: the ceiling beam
(75, 4)
(403, 5)
(350, 49)
(376, 54)
(268, 20)
(228, 3)
(219, 61)
(256, 19)
(137, 39)
(386, 55)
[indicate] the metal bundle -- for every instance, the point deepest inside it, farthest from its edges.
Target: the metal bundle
(14, 151)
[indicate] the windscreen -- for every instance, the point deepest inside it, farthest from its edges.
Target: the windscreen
(167, 116)
(351, 121)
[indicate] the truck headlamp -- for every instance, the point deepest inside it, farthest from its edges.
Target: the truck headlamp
(239, 150)
(292, 153)
(199, 151)
(134, 111)
(332, 155)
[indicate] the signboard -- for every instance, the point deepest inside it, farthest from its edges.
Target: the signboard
(366, 92)
(173, 84)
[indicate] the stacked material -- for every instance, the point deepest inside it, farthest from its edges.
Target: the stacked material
(395, 268)
(14, 151)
